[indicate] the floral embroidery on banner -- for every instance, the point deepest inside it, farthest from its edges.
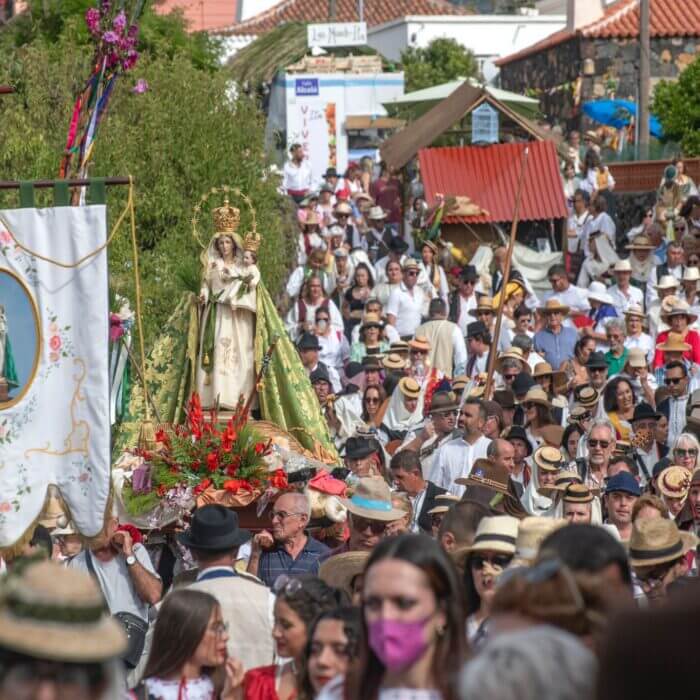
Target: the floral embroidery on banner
(19, 259)
(12, 424)
(59, 343)
(13, 503)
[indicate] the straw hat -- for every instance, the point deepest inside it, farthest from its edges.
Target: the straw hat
(496, 534)
(430, 245)
(376, 214)
(408, 386)
(438, 509)
(577, 493)
(674, 482)
(394, 361)
(691, 274)
(667, 282)
(409, 264)
(485, 473)
(52, 612)
(343, 208)
(536, 394)
(622, 266)
(635, 310)
(511, 354)
(641, 242)
(450, 497)
(372, 500)
(587, 397)
(674, 343)
(658, 540)
(532, 531)
(554, 305)
(339, 571)
(420, 342)
(680, 308)
(459, 382)
(565, 479)
(484, 304)
(552, 434)
(371, 321)
(548, 458)
(312, 219)
(598, 292)
(636, 357)
(544, 369)
(400, 347)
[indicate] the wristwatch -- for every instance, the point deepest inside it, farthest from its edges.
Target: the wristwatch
(130, 560)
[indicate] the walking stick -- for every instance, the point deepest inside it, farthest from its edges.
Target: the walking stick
(506, 275)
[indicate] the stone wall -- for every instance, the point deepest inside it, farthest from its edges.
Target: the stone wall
(629, 211)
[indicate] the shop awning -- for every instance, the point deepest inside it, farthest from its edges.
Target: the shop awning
(488, 175)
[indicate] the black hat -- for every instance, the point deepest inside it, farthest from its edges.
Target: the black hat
(643, 410)
(308, 341)
(372, 362)
(352, 369)
(505, 398)
(214, 527)
(596, 359)
(469, 274)
(398, 245)
(320, 374)
(522, 383)
(517, 432)
(360, 447)
(330, 172)
(476, 328)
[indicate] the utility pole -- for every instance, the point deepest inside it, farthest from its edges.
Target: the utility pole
(644, 79)
(331, 10)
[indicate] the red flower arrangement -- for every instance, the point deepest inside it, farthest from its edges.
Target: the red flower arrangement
(201, 456)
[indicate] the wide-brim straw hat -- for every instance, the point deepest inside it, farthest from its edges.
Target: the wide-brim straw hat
(641, 242)
(56, 613)
(544, 369)
(339, 571)
(511, 354)
(657, 541)
(636, 357)
(674, 343)
(548, 458)
(588, 397)
(667, 282)
(536, 394)
(531, 533)
(371, 321)
(577, 493)
(372, 500)
(408, 386)
(681, 308)
(460, 381)
(554, 305)
(497, 533)
(420, 342)
(485, 473)
(484, 304)
(674, 481)
(400, 347)
(394, 361)
(635, 310)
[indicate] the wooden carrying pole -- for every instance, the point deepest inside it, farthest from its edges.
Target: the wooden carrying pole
(506, 274)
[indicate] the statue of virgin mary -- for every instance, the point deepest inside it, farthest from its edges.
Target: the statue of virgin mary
(8, 372)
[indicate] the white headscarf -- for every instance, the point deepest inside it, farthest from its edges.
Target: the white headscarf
(397, 417)
(533, 501)
(557, 510)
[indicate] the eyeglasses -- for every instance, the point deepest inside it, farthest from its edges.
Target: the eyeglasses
(614, 336)
(595, 370)
(499, 560)
(371, 399)
(418, 352)
(674, 380)
(680, 452)
(286, 585)
(527, 405)
(509, 377)
(654, 577)
(484, 313)
(282, 514)
(411, 273)
(360, 524)
(599, 443)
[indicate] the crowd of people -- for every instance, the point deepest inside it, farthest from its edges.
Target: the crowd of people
(538, 540)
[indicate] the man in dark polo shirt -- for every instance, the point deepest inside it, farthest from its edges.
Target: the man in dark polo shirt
(289, 549)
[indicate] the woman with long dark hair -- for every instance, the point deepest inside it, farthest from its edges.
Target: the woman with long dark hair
(413, 641)
(575, 368)
(372, 400)
(334, 642)
(188, 656)
(619, 401)
(356, 297)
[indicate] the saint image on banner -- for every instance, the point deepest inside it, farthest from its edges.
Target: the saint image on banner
(8, 371)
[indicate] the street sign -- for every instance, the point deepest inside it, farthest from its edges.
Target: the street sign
(337, 34)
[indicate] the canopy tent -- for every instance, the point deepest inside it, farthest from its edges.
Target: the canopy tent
(420, 101)
(618, 114)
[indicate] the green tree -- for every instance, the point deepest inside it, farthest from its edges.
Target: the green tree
(439, 62)
(186, 134)
(677, 105)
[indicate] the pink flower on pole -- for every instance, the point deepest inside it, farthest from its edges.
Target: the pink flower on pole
(140, 87)
(110, 37)
(119, 22)
(92, 19)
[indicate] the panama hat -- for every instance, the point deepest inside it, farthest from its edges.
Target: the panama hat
(420, 342)
(430, 245)
(459, 382)
(399, 347)
(667, 282)
(408, 386)
(48, 611)
(484, 304)
(554, 305)
(536, 394)
(450, 497)
(371, 321)
(372, 500)
(598, 292)
(496, 533)
(636, 357)
(674, 481)
(641, 242)
(658, 540)
(409, 264)
(623, 265)
(691, 274)
(680, 308)
(531, 533)
(394, 361)
(437, 510)
(376, 214)
(339, 570)
(342, 208)
(674, 343)
(511, 354)
(548, 458)
(544, 369)
(635, 310)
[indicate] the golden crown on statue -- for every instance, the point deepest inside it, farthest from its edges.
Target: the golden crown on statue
(251, 241)
(226, 218)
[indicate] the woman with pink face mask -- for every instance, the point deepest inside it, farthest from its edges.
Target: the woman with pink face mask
(413, 626)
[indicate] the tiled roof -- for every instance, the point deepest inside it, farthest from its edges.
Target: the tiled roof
(201, 15)
(375, 12)
(489, 177)
(667, 18)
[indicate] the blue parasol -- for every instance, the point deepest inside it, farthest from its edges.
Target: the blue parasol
(618, 113)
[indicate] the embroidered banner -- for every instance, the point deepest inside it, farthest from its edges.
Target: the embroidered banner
(54, 367)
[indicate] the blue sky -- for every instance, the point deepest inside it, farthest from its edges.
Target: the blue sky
(22, 331)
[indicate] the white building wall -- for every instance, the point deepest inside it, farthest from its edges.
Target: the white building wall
(250, 8)
(489, 36)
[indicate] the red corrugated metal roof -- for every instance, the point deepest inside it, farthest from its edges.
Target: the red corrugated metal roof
(488, 175)
(375, 12)
(201, 15)
(620, 20)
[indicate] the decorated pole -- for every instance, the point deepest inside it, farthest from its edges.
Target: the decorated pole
(506, 275)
